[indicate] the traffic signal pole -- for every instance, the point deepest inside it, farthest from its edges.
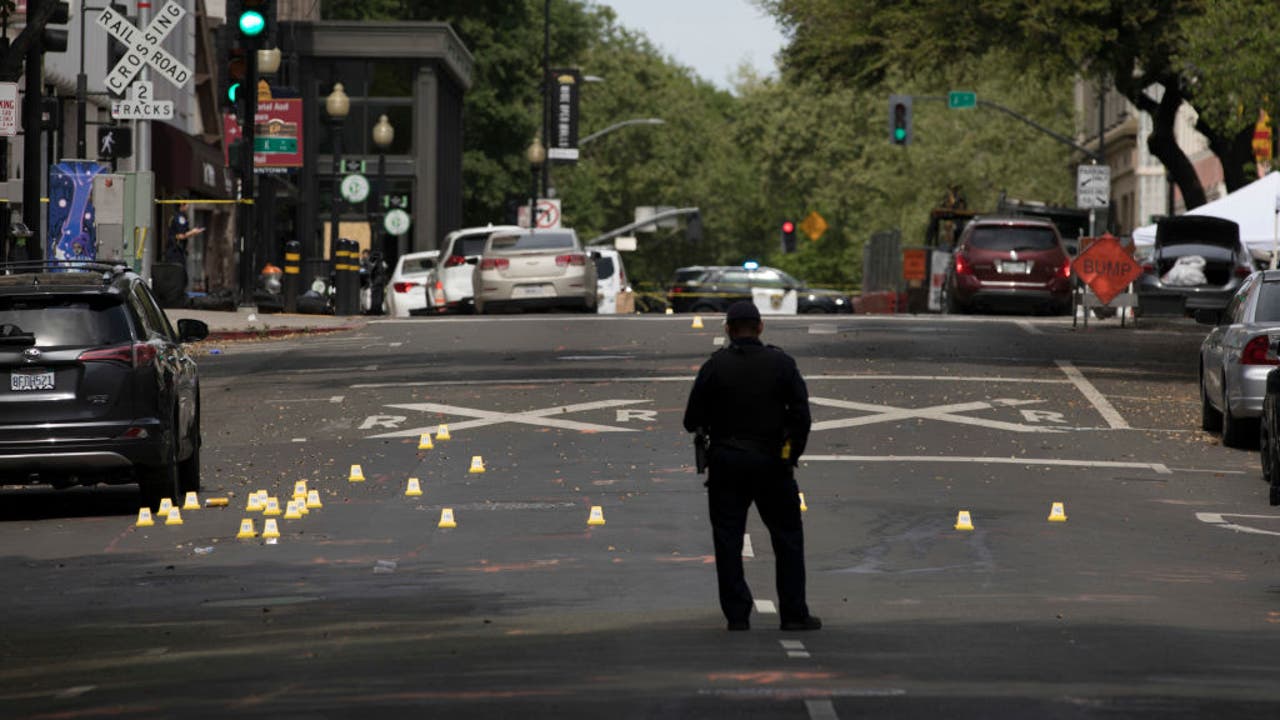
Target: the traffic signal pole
(247, 228)
(33, 169)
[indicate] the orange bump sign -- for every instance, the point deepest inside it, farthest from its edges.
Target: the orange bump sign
(1107, 268)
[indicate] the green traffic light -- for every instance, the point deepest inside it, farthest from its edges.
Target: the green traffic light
(233, 91)
(252, 23)
(899, 134)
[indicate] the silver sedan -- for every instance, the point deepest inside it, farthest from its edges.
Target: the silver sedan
(541, 269)
(1236, 356)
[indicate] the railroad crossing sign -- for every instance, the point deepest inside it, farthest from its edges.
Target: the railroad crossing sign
(1106, 268)
(144, 47)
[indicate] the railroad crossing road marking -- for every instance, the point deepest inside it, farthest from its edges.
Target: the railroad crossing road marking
(539, 418)
(944, 413)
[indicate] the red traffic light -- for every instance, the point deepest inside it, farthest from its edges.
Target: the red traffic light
(788, 227)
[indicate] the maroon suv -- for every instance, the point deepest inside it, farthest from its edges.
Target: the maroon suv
(1009, 261)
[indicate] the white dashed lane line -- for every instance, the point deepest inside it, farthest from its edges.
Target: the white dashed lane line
(1091, 393)
(766, 607)
(794, 648)
(821, 710)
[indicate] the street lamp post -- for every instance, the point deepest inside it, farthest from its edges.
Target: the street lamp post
(337, 105)
(625, 123)
(536, 155)
(383, 135)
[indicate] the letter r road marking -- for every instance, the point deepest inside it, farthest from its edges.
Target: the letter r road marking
(641, 415)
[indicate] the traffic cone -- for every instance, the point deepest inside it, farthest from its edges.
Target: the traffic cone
(246, 530)
(477, 464)
(963, 521)
(442, 433)
(175, 517)
(313, 500)
(446, 518)
(291, 511)
(413, 489)
(271, 508)
(165, 506)
(144, 518)
(270, 530)
(597, 516)
(191, 502)
(300, 490)
(803, 507)
(424, 442)
(254, 504)
(697, 322)
(357, 474)
(439, 296)
(1058, 513)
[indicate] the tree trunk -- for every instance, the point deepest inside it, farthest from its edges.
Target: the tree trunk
(1163, 144)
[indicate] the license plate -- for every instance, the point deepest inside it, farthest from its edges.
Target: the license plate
(20, 381)
(533, 291)
(1014, 268)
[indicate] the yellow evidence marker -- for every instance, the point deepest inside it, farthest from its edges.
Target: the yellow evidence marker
(144, 518)
(597, 515)
(446, 519)
(413, 489)
(357, 474)
(1058, 513)
(246, 530)
(963, 521)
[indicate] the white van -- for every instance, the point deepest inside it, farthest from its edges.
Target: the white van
(458, 257)
(613, 291)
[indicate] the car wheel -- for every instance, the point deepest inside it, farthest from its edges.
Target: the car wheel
(1210, 418)
(1235, 431)
(161, 481)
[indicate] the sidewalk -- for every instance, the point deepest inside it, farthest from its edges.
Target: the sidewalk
(246, 323)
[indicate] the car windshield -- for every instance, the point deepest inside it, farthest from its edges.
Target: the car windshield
(1006, 238)
(1268, 308)
(533, 241)
(63, 322)
(472, 245)
(417, 266)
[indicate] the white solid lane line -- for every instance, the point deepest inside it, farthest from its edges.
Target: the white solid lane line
(1097, 399)
(1030, 328)
(821, 710)
(1219, 520)
(747, 550)
(1053, 462)
(689, 379)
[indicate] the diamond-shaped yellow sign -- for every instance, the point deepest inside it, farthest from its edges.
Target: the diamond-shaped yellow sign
(813, 225)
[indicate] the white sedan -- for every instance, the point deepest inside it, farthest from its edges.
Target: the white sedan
(410, 286)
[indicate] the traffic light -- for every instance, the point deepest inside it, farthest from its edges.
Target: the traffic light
(253, 18)
(233, 69)
(788, 237)
(900, 119)
(52, 39)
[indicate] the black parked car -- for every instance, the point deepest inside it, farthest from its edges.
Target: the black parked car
(714, 288)
(100, 387)
(1269, 441)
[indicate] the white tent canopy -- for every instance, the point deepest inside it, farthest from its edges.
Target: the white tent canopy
(1252, 207)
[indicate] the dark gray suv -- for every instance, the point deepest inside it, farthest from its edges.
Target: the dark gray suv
(95, 385)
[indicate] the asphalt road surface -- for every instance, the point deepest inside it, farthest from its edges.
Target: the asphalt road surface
(1158, 597)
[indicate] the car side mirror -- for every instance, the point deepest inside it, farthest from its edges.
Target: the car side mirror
(1204, 316)
(190, 330)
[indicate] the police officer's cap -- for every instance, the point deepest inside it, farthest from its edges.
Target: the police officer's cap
(742, 310)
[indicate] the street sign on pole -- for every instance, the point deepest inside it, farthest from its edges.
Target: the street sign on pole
(962, 100)
(1093, 186)
(8, 109)
(1107, 268)
(548, 214)
(140, 105)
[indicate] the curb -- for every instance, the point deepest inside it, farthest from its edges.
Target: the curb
(277, 332)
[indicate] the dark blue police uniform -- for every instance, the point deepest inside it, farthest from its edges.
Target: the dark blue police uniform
(751, 401)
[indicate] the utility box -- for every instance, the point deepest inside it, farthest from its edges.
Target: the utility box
(123, 203)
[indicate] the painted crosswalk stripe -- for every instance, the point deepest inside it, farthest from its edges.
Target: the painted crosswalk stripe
(766, 607)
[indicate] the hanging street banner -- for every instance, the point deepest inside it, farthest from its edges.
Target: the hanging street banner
(144, 47)
(564, 120)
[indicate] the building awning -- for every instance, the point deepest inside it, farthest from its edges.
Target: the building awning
(187, 166)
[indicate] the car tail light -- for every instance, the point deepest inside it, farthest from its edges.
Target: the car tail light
(495, 264)
(404, 287)
(1065, 269)
(135, 354)
(571, 259)
(455, 261)
(962, 265)
(677, 289)
(1243, 271)
(1149, 268)
(1258, 352)
(134, 433)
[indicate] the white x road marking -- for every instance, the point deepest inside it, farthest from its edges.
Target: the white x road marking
(945, 413)
(144, 46)
(540, 418)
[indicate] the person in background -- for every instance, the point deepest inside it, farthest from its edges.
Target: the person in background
(180, 231)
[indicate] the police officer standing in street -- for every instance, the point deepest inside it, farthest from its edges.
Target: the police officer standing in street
(751, 403)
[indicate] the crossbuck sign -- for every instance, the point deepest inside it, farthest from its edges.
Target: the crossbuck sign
(144, 47)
